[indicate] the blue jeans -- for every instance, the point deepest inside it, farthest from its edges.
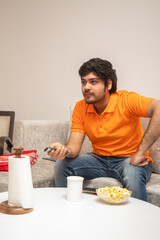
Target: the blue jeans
(91, 166)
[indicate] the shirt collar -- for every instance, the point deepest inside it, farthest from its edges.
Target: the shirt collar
(110, 107)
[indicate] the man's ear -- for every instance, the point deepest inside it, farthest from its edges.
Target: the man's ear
(109, 85)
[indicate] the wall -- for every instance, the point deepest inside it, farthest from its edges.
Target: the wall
(44, 42)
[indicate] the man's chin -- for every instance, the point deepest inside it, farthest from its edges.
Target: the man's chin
(89, 101)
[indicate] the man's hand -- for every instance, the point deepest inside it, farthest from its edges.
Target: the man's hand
(60, 152)
(139, 159)
(71, 150)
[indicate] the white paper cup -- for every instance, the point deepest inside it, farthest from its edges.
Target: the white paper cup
(74, 188)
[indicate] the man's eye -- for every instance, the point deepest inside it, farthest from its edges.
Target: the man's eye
(93, 81)
(83, 82)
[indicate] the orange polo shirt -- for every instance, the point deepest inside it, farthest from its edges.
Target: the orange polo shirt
(117, 131)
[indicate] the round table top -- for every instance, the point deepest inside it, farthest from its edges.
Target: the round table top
(54, 217)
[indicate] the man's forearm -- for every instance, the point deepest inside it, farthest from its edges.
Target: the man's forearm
(72, 153)
(74, 144)
(151, 135)
(153, 131)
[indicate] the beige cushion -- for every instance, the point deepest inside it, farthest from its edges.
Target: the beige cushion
(101, 182)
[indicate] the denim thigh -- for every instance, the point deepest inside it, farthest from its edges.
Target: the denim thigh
(91, 166)
(134, 178)
(87, 165)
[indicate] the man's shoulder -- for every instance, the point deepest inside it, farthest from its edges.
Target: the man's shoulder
(123, 92)
(126, 94)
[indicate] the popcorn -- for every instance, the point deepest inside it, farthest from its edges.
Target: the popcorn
(113, 194)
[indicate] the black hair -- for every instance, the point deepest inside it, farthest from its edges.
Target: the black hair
(101, 68)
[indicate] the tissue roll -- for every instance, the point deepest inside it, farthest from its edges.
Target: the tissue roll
(20, 186)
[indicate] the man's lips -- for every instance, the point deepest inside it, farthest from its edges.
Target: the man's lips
(88, 94)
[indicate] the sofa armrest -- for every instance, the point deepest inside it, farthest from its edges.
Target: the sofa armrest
(38, 134)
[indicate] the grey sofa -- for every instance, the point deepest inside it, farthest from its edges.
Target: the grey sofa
(37, 135)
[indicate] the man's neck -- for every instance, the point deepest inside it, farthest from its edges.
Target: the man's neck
(100, 106)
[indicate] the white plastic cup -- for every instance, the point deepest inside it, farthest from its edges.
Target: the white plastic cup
(74, 188)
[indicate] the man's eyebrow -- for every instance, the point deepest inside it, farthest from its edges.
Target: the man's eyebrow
(95, 78)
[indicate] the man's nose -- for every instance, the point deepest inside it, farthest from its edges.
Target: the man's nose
(87, 86)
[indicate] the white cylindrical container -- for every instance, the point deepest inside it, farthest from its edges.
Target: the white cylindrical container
(74, 188)
(20, 186)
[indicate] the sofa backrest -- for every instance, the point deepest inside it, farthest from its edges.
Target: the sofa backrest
(39, 134)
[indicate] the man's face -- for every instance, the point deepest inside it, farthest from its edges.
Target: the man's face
(93, 89)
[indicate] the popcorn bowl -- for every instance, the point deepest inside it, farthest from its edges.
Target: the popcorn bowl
(113, 195)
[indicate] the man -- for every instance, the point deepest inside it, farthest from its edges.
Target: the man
(111, 120)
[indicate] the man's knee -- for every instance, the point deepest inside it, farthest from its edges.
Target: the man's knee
(68, 167)
(136, 173)
(134, 178)
(60, 166)
(65, 167)
(133, 174)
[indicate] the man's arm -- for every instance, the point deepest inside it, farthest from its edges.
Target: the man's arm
(73, 146)
(151, 135)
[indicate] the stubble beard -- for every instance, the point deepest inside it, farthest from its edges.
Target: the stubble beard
(89, 101)
(93, 101)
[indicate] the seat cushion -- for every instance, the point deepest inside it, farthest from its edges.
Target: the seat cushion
(101, 182)
(153, 189)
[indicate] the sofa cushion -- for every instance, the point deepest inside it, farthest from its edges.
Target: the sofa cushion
(39, 134)
(43, 174)
(153, 189)
(101, 182)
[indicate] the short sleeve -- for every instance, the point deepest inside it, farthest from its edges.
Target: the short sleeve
(137, 105)
(78, 118)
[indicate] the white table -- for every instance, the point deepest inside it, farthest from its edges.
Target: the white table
(56, 218)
